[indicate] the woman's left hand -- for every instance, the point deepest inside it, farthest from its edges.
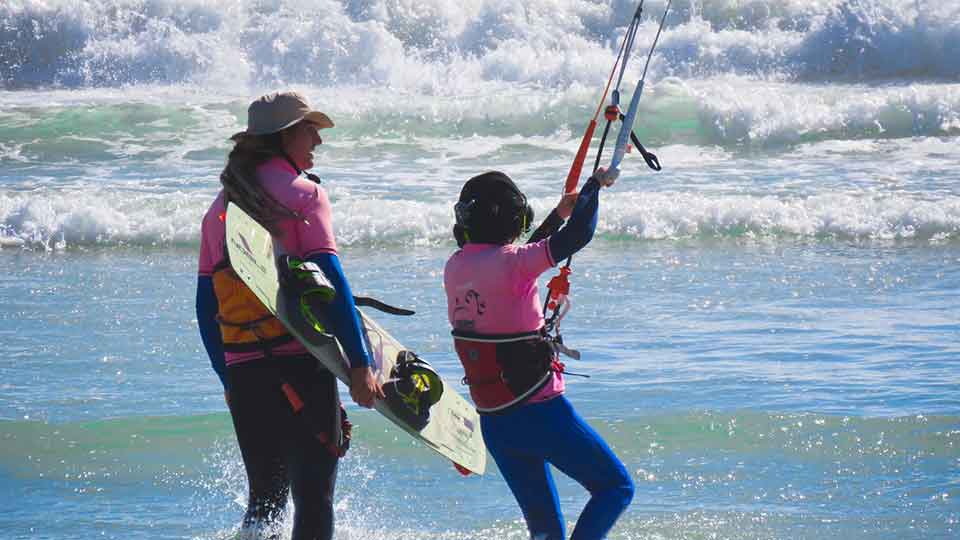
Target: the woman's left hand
(566, 204)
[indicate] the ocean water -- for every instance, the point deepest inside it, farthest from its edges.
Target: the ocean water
(771, 323)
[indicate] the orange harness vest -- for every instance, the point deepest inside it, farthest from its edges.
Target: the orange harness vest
(245, 323)
(504, 370)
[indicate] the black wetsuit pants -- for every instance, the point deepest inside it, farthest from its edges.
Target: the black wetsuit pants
(280, 450)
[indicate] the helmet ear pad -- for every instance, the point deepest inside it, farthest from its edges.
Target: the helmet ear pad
(460, 235)
(527, 217)
(491, 209)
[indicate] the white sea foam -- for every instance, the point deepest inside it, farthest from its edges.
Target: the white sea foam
(726, 72)
(438, 47)
(734, 111)
(56, 219)
(53, 219)
(835, 215)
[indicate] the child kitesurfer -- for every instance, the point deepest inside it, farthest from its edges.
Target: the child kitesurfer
(511, 364)
(286, 410)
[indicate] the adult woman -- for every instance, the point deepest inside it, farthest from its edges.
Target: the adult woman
(510, 363)
(257, 361)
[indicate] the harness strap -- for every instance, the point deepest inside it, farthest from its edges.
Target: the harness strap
(249, 325)
(496, 338)
(555, 342)
(264, 345)
(335, 448)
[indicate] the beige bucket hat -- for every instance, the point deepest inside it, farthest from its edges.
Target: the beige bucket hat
(279, 110)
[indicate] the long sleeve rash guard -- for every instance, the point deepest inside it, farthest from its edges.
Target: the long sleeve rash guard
(578, 231)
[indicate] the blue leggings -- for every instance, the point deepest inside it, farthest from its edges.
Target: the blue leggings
(525, 440)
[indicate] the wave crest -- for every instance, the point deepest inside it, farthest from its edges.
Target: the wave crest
(442, 48)
(55, 220)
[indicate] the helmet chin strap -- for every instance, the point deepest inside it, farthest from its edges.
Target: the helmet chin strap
(292, 163)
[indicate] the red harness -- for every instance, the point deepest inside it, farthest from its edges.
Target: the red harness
(504, 370)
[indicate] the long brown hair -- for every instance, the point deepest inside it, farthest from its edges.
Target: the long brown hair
(241, 185)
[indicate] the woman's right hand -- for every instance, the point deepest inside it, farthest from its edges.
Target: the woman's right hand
(364, 387)
(605, 177)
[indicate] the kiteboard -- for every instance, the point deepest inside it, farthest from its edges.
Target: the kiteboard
(453, 427)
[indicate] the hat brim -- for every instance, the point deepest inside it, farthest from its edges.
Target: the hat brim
(319, 119)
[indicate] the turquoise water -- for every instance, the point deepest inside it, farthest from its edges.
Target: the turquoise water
(750, 398)
(770, 323)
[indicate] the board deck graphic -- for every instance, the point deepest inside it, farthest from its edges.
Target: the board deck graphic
(454, 427)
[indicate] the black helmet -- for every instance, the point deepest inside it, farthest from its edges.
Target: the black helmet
(491, 210)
